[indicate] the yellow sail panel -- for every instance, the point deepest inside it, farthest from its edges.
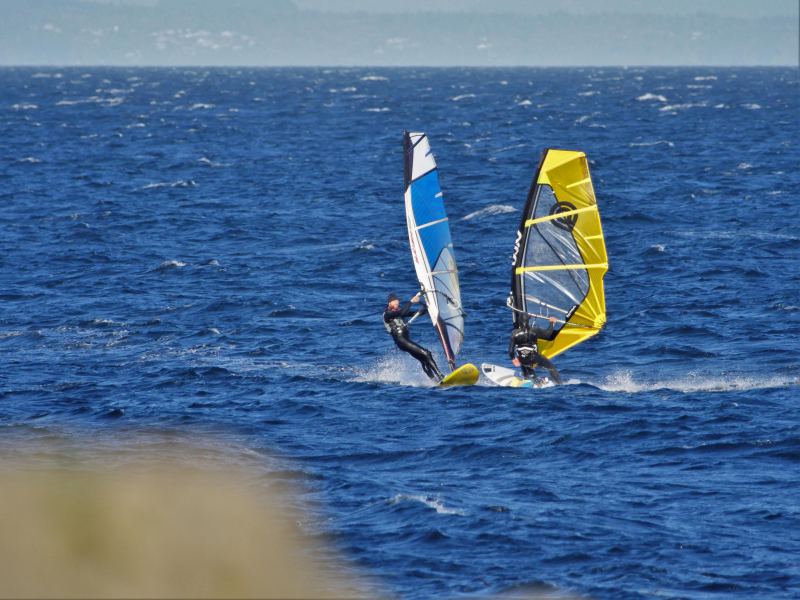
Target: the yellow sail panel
(561, 258)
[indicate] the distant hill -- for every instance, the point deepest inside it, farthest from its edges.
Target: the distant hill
(280, 32)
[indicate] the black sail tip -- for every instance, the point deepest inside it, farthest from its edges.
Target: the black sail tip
(408, 160)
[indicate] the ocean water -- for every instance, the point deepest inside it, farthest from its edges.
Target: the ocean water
(208, 252)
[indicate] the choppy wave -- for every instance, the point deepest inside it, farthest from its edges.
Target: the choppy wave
(462, 97)
(433, 502)
(494, 209)
(625, 381)
(682, 106)
(653, 143)
(650, 96)
(170, 184)
(397, 368)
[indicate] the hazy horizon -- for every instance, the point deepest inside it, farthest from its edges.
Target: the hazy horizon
(345, 33)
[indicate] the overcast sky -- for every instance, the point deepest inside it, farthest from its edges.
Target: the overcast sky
(396, 33)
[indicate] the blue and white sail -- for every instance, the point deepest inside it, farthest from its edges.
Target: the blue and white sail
(431, 244)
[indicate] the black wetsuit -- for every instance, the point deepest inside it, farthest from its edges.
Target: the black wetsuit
(397, 327)
(524, 345)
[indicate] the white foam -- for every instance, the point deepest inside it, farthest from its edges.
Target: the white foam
(430, 501)
(374, 78)
(524, 103)
(494, 209)
(658, 247)
(24, 106)
(752, 106)
(589, 93)
(179, 183)
(676, 107)
(462, 97)
(114, 101)
(30, 160)
(744, 166)
(623, 381)
(655, 143)
(396, 368)
(365, 245)
(211, 163)
(172, 264)
(649, 96)
(377, 110)
(201, 106)
(706, 78)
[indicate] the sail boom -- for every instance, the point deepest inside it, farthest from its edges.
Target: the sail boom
(521, 270)
(559, 215)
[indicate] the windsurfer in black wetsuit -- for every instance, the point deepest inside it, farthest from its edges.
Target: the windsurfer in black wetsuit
(523, 349)
(394, 320)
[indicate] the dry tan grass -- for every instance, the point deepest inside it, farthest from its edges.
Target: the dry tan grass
(152, 529)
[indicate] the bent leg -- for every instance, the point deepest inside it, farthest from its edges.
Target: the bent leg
(528, 371)
(547, 364)
(424, 357)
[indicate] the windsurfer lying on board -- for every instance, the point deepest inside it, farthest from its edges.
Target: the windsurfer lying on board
(393, 320)
(523, 349)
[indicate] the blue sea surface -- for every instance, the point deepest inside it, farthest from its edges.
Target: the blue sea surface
(209, 250)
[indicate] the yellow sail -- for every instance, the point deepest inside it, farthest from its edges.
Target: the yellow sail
(560, 255)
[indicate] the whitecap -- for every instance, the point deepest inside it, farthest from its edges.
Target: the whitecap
(374, 78)
(649, 96)
(524, 103)
(24, 106)
(752, 106)
(658, 247)
(201, 106)
(654, 143)
(172, 184)
(365, 245)
(377, 110)
(494, 209)
(675, 107)
(589, 93)
(462, 97)
(706, 78)
(430, 501)
(207, 161)
(583, 119)
(624, 381)
(744, 166)
(171, 264)
(30, 160)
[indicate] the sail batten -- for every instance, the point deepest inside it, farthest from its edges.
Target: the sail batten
(560, 257)
(431, 243)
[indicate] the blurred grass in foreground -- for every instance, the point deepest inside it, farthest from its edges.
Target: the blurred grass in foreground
(150, 526)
